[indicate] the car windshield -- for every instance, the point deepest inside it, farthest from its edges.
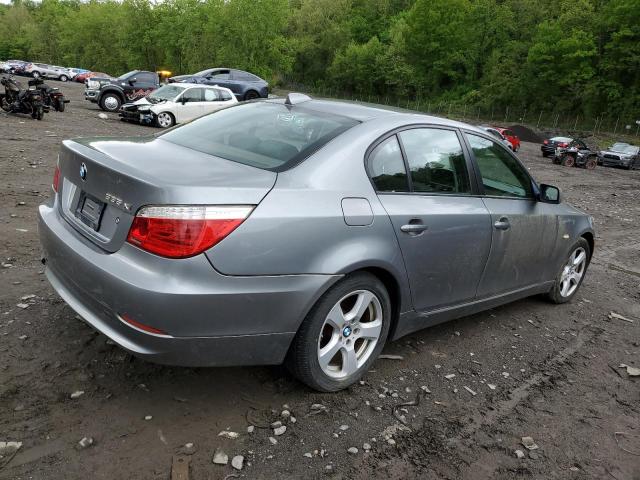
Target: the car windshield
(266, 135)
(123, 77)
(166, 92)
(623, 148)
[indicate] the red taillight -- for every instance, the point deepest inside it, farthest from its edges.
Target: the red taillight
(546, 142)
(563, 145)
(56, 179)
(184, 231)
(141, 326)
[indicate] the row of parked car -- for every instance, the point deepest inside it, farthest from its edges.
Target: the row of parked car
(155, 98)
(571, 152)
(43, 70)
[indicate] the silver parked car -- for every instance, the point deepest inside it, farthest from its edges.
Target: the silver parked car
(37, 70)
(300, 230)
(620, 155)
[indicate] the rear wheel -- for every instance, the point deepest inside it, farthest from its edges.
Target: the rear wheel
(165, 120)
(571, 273)
(568, 161)
(38, 113)
(342, 335)
(61, 104)
(251, 95)
(591, 163)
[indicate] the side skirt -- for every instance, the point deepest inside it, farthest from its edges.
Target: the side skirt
(413, 321)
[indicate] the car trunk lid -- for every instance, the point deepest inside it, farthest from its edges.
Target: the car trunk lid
(105, 181)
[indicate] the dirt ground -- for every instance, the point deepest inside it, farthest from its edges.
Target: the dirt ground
(526, 369)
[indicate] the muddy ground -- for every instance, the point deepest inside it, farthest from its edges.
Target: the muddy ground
(554, 370)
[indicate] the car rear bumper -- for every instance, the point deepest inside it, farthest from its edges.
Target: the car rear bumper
(209, 319)
(548, 149)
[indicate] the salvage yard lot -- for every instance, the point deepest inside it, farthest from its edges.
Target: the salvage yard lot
(454, 404)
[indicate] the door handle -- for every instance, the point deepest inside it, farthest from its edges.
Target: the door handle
(502, 224)
(413, 228)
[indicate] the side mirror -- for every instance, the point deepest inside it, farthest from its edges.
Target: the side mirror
(549, 194)
(132, 80)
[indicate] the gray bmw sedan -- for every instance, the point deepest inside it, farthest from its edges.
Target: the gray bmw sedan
(303, 231)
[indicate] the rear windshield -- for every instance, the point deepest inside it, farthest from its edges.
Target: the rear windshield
(266, 135)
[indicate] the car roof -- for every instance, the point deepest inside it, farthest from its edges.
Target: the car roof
(364, 112)
(199, 85)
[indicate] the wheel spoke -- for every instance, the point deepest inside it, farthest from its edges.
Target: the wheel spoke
(336, 317)
(329, 351)
(564, 287)
(361, 306)
(579, 258)
(349, 360)
(370, 329)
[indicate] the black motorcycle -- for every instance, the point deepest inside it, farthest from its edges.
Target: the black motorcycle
(17, 100)
(51, 96)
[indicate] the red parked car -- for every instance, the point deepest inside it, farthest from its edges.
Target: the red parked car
(83, 76)
(512, 137)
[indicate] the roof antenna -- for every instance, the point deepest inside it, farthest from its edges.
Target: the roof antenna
(295, 98)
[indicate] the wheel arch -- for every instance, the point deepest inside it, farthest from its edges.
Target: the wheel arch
(589, 237)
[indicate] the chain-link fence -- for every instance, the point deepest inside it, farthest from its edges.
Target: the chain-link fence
(540, 119)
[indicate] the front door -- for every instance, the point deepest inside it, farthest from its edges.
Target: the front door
(444, 232)
(523, 229)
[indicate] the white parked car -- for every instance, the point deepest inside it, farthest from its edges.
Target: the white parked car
(177, 103)
(37, 70)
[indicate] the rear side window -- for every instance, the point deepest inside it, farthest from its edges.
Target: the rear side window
(436, 161)
(210, 95)
(224, 95)
(386, 167)
(192, 95)
(266, 135)
(502, 175)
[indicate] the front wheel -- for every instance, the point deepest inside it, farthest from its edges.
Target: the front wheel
(35, 75)
(38, 113)
(63, 78)
(61, 104)
(165, 120)
(591, 163)
(568, 161)
(110, 102)
(342, 335)
(571, 273)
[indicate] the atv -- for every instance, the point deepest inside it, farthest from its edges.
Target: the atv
(576, 154)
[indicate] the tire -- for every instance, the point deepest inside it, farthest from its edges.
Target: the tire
(61, 104)
(165, 120)
(110, 102)
(545, 155)
(251, 95)
(303, 358)
(591, 163)
(35, 74)
(63, 78)
(568, 161)
(556, 294)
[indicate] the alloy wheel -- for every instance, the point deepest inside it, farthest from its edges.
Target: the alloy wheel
(165, 120)
(111, 103)
(573, 272)
(350, 334)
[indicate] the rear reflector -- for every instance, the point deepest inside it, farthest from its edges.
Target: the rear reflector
(56, 179)
(184, 231)
(141, 326)
(546, 142)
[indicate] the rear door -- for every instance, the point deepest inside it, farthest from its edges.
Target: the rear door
(523, 229)
(424, 182)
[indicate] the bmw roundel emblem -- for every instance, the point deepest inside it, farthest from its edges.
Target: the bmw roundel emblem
(83, 171)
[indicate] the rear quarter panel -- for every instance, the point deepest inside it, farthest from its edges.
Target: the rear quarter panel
(299, 228)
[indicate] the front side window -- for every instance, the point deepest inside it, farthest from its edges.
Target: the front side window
(502, 175)
(436, 161)
(386, 167)
(192, 95)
